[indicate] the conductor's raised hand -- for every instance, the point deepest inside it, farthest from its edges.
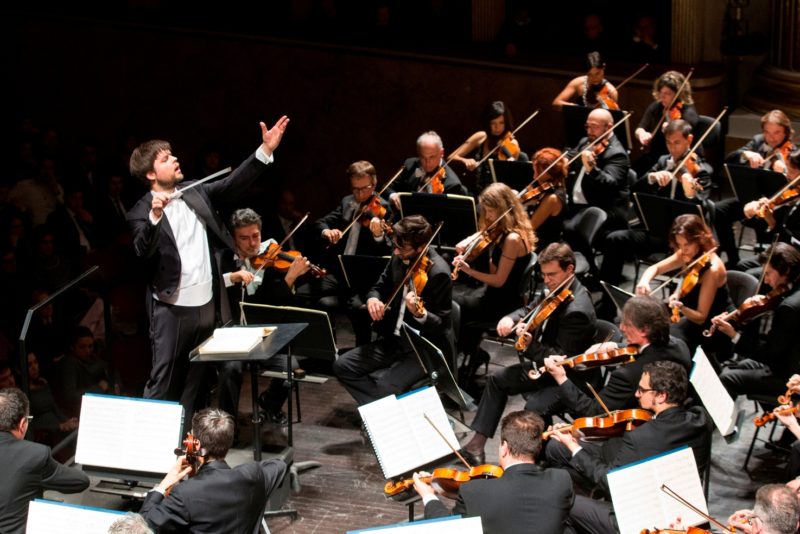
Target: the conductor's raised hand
(272, 138)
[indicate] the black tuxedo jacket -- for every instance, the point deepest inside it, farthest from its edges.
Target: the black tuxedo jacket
(273, 289)
(756, 144)
(339, 218)
(413, 177)
(29, 469)
(780, 350)
(437, 296)
(703, 177)
(569, 330)
(605, 186)
(217, 499)
(526, 497)
(620, 390)
(671, 429)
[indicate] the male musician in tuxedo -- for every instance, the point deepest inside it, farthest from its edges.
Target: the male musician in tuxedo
(417, 172)
(568, 330)
(768, 362)
(244, 282)
(645, 323)
(662, 390)
(526, 494)
(391, 350)
(763, 151)
(370, 240)
(776, 511)
(657, 181)
(28, 468)
(177, 235)
(597, 179)
(216, 498)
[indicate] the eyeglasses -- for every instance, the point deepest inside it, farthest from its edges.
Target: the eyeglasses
(29, 418)
(361, 189)
(641, 391)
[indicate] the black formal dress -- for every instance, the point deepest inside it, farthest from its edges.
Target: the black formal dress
(217, 499)
(526, 495)
(29, 469)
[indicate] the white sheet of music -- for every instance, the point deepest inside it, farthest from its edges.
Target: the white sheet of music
(719, 404)
(639, 502)
(442, 525)
(128, 434)
(390, 417)
(236, 339)
(46, 517)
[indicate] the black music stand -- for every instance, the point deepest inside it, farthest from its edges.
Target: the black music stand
(750, 184)
(618, 295)
(515, 174)
(361, 272)
(457, 210)
(575, 119)
(281, 338)
(658, 213)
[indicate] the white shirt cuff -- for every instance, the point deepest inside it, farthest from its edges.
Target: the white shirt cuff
(263, 157)
(428, 498)
(227, 278)
(153, 219)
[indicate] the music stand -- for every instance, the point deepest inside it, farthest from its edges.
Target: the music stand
(750, 184)
(269, 346)
(515, 174)
(436, 368)
(361, 272)
(618, 295)
(575, 129)
(457, 210)
(658, 213)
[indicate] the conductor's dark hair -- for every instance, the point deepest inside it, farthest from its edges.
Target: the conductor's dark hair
(144, 156)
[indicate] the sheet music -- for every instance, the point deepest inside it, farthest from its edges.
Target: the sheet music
(443, 525)
(716, 399)
(639, 503)
(235, 339)
(137, 435)
(46, 517)
(389, 417)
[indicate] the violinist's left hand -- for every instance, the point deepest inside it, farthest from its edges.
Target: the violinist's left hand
(564, 437)
(588, 160)
(272, 138)
(177, 472)
(558, 372)
(674, 302)
(459, 262)
(787, 419)
(723, 326)
(298, 268)
(423, 488)
(689, 184)
(375, 227)
(779, 166)
(744, 521)
(411, 304)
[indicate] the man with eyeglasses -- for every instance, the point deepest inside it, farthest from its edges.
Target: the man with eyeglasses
(361, 239)
(28, 468)
(662, 390)
(391, 350)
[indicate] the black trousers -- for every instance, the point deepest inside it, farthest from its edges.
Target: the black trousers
(174, 332)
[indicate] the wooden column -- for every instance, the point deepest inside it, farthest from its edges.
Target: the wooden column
(687, 32)
(487, 19)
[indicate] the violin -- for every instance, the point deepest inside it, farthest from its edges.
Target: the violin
(604, 99)
(274, 256)
(419, 278)
(509, 149)
(536, 192)
(478, 245)
(788, 193)
(446, 480)
(590, 360)
(192, 451)
(781, 154)
(766, 417)
(752, 308)
(690, 279)
(688, 530)
(373, 208)
(611, 425)
(436, 182)
(675, 112)
(600, 147)
(544, 310)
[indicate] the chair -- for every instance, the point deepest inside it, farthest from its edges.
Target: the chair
(712, 144)
(530, 280)
(587, 225)
(741, 286)
(607, 331)
(766, 403)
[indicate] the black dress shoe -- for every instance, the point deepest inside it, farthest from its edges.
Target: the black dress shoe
(474, 458)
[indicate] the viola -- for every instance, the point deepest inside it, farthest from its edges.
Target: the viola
(690, 279)
(614, 424)
(281, 260)
(446, 480)
(371, 209)
(192, 451)
(544, 310)
(590, 360)
(420, 274)
(752, 308)
(766, 417)
(509, 149)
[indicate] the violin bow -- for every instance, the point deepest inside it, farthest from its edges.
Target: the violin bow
(599, 400)
(674, 99)
(794, 183)
(287, 238)
(364, 208)
(178, 192)
(413, 266)
(666, 489)
(684, 270)
(632, 76)
(527, 319)
(692, 151)
(463, 460)
(497, 147)
(764, 270)
(477, 237)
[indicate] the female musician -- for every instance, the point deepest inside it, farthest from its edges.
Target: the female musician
(692, 240)
(499, 123)
(591, 90)
(508, 259)
(649, 132)
(547, 208)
